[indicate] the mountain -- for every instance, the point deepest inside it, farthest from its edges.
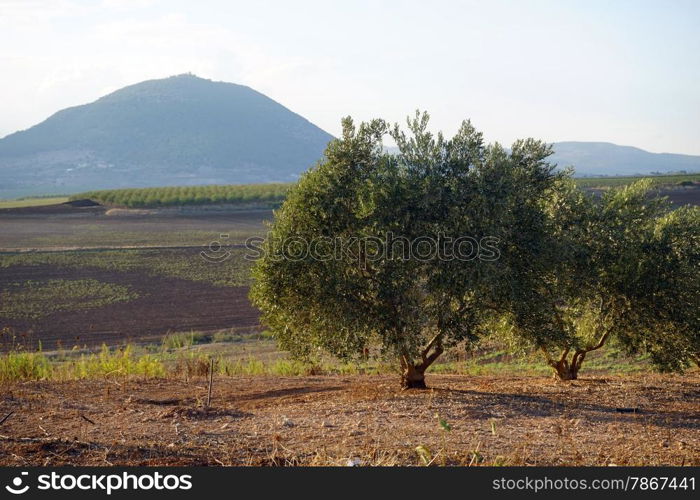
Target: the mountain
(186, 130)
(604, 158)
(607, 159)
(181, 130)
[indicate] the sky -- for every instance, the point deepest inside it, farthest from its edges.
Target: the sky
(626, 72)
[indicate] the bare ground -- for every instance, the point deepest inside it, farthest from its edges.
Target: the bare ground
(333, 419)
(165, 304)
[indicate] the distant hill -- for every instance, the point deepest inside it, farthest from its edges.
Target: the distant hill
(595, 159)
(181, 130)
(604, 158)
(186, 130)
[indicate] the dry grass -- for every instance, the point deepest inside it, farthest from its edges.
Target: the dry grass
(336, 420)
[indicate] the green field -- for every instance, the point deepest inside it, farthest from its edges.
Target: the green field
(658, 180)
(234, 271)
(35, 299)
(269, 194)
(33, 202)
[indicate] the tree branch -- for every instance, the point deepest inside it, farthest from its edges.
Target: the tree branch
(564, 354)
(431, 359)
(432, 342)
(548, 357)
(600, 343)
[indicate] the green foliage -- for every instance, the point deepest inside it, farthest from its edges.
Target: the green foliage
(573, 272)
(179, 340)
(112, 362)
(434, 188)
(237, 194)
(626, 270)
(18, 366)
(24, 366)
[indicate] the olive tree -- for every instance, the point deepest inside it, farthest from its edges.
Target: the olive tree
(627, 272)
(411, 252)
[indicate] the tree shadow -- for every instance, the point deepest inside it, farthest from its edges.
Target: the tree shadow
(279, 393)
(499, 404)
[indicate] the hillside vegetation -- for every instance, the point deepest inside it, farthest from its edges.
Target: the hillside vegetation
(189, 195)
(274, 193)
(175, 131)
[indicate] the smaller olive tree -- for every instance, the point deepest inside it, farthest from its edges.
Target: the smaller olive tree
(403, 251)
(627, 272)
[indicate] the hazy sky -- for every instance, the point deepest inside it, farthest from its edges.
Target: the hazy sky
(620, 71)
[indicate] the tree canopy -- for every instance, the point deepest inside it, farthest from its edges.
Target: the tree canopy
(415, 252)
(428, 238)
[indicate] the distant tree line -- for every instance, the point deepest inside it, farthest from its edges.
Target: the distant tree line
(188, 195)
(276, 192)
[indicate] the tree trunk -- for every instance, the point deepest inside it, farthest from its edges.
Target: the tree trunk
(413, 377)
(413, 374)
(568, 370)
(565, 371)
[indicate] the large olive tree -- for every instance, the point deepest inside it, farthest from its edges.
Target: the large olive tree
(410, 252)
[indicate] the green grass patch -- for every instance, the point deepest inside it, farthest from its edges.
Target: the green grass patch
(33, 202)
(17, 366)
(495, 360)
(121, 362)
(35, 299)
(189, 354)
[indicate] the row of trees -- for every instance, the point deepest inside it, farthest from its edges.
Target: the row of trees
(189, 195)
(573, 271)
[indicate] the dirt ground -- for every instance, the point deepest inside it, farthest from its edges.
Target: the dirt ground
(165, 304)
(367, 420)
(56, 227)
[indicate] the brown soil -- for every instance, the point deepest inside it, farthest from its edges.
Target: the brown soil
(77, 207)
(366, 419)
(683, 196)
(164, 305)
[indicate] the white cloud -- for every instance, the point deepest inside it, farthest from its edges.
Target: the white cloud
(57, 66)
(551, 70)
